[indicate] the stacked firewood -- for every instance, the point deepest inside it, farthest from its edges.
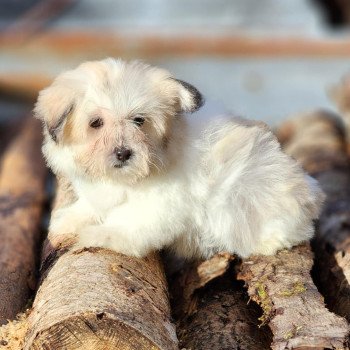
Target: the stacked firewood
(98, 299)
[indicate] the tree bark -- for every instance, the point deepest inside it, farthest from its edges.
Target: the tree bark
(211, 309)
(291, 303)
(22, 184)
(99, 299)
(328, 162)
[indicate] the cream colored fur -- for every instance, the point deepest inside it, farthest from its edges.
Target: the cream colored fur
(197, 183)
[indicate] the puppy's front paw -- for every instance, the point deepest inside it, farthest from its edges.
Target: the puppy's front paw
(61, 241)
(62, 229)
(105, 237)
(61, 226)
(91, 236)
(66, 221)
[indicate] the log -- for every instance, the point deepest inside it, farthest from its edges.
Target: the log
(8, 131)
(22, 87)
(98, 299)
(22, 193)
(291, 303)
(75, 45)
(340, 94)
(327, 161)
(211, 311)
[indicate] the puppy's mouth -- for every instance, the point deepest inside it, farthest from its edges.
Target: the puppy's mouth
(120, 165)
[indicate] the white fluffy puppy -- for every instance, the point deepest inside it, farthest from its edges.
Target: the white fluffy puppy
(146, 175)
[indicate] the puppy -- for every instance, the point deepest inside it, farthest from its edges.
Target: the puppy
(147, 175)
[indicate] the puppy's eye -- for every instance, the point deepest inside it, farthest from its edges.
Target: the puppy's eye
(138, 120)
(96, 123)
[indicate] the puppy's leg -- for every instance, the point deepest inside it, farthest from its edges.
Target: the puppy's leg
(108, 237)
(295, 224)
(137, 228)
(67, 221)
(133, 243)
(277, 235)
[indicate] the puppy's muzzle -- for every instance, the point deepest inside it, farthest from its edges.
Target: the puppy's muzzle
(122, 154)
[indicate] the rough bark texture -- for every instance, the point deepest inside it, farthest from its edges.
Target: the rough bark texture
(292, 306)
(327, 161)
(22, 183)
(98, 299)
(211, 309)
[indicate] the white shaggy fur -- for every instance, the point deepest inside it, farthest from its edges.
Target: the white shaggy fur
(198, 184)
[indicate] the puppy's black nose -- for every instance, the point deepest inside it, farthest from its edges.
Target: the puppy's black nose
(122, 153)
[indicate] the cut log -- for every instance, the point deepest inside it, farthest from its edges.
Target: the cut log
(292, 306)
(99, 299)
(327, 161)
(211, 309)
(22, 184)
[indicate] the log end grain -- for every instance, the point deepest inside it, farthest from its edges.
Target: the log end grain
(92, 331)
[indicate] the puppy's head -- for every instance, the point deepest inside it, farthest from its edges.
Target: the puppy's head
(112, 119)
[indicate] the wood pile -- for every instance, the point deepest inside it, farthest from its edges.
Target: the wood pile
(97, 299)
(22, 194)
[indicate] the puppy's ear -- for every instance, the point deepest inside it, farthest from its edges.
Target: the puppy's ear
(189, 97)
(53, 107)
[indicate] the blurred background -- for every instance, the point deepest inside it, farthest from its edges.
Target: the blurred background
(262, 59)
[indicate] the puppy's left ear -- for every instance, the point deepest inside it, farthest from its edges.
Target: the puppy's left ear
(190, 99)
